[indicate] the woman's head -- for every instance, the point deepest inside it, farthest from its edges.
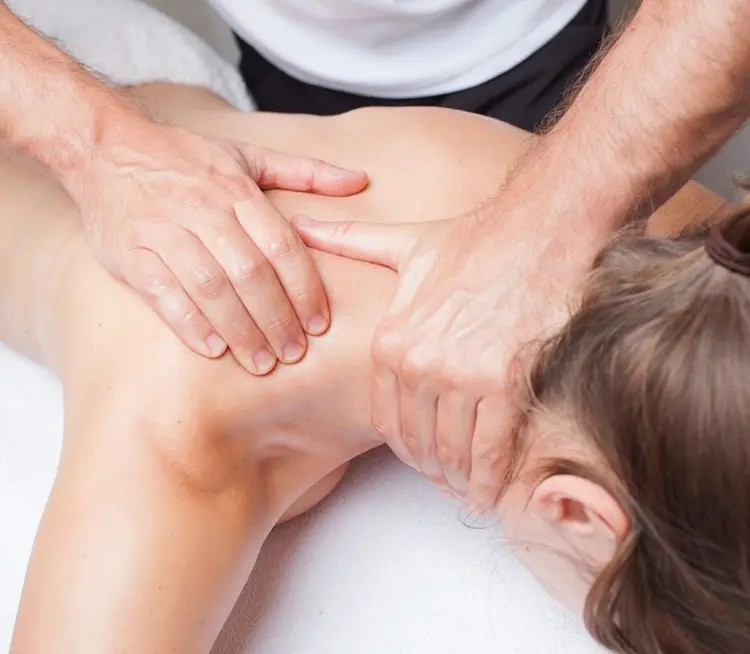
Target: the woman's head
(636, 456)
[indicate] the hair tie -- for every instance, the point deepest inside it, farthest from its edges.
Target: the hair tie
(726, 254)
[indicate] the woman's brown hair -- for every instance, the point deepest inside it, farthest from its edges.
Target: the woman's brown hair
(655, 369)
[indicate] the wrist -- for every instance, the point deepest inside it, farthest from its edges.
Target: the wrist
(82, 150)
(544, 239)
(548, 199)
(51, 108)
(75, 144)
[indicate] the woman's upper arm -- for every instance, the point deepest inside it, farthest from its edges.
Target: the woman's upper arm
(136, 551)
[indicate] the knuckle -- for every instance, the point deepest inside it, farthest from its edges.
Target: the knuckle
(416, 364)
(156, 285)
(257, 162)
(451, 456)
(243, 334)
(285, 246)
(282, 323)
(238, 187)
(114, 244)
(386, 345)
(452, 374)
(251, 270)
(190, 319)
(199, 199)
(140, 232)
(492, 378)
(209, 282)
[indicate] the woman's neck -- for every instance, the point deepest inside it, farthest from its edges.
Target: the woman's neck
(313, 417)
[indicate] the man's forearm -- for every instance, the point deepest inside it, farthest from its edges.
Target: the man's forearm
(51, 108)
(670, 91)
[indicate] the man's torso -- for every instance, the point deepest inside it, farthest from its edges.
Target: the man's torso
(397, 48)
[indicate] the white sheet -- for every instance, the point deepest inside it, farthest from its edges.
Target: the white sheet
(384, 566)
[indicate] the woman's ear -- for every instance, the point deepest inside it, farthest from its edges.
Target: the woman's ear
(581, 517)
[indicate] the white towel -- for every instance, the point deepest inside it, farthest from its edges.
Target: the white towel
(131, 43)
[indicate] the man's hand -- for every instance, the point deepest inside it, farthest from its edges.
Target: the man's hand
(471, 293)
(179, 217)
(446, 381)
(183, 220)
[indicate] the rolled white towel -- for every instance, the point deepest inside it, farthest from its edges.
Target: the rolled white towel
(130, 42)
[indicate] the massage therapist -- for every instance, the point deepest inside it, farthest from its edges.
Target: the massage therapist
(157, 202)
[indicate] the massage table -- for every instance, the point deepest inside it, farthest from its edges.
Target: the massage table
(386, 565)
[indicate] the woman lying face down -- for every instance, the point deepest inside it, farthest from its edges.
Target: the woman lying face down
(635, 458)
(175, 468)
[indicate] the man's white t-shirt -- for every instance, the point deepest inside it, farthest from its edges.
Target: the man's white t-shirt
(397, 48)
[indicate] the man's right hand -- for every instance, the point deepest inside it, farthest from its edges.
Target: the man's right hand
(183, 220)
(472, 293)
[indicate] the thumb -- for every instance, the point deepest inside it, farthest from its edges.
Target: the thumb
(386, 245)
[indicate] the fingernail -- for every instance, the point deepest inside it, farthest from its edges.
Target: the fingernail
(317, 325)
(216, 345)
(348, 172)
(292, 352)
(476, 508)
(264, 360)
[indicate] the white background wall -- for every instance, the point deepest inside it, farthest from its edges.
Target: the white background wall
(717, 174)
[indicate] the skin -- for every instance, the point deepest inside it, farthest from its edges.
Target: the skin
(176, 467)
(445, 355)
(156, 202)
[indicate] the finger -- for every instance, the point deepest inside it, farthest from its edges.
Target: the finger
(386, 245)
(253, 278)
(205, 281)
(418, 405)
(491, 451)
(304, 297)
(456, 416)
(154, 281)
(385, 413)
(271, 169)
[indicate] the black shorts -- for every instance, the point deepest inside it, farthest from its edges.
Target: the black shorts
(523, 96)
